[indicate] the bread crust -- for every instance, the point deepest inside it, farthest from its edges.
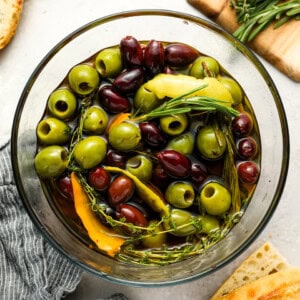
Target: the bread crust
(284, 285)
(10, 13)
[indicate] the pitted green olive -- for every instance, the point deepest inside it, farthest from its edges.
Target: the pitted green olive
(83, 79)
(210, 143)
(156, 237)
(51, 161)
(208, 223)
(52, 131)
(183, 143)
(174, 124)
(145, 101)
(62, 104)
(181, 223)
(140, 166)
(90, 151)
(180, 194)
(205, 66)
(233, 87)
(108, 62)
(95, 120)
(124, 136)
(214, 198)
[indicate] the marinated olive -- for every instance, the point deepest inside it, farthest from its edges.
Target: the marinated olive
(180, 55)
(209, 223)
(112, 101)
(145, 101)
(180, 194)
(175, 163)
(154, 57)
(90, 151)
(140, 166)
(183, 143)
(248, 172)
(116, 159)
(129, 80)
(120, 190)
(52, 131)
(181, 223)
(99, 179)
(160, 177)
(131, 52)
(242, 125)
(210, 143)
(233, 87)
(95, 120)
(108, 62)
(174, 124)
(124, 136)
(51, 161)
(83, 79)
(152, 135)
(64, 186)
(246, 147)
(156, 237)
(205, 66)
(132, 215)
(214, 198)
(198, 174)
(62, 104)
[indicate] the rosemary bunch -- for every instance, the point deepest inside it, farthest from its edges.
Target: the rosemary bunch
(255, 15)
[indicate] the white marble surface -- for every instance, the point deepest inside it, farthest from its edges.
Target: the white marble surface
(44, 23)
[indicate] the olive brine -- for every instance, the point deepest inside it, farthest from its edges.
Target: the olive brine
(150, 151)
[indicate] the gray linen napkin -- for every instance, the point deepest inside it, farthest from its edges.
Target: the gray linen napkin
(30, 268)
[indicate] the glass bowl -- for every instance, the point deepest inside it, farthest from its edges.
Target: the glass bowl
(165, 26)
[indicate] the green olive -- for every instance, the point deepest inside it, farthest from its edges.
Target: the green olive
(174, 124)
(124, 136)
(183, 143)
(108, 62)
(145, 100)
(211, 142)
(209, 223)
(51, 161)
(140, 166)
(214, 198)
(53, 131)
(83, 79)
(205, 66)
(95, 120)
(156, 238)
(62, 104)
(233, 87)
(90, 151)
(180, 194)
(180, 222)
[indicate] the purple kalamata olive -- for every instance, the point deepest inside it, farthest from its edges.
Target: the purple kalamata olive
(152, 135)
(180, 55)
(65, 186)
(99, 179)
(242, 125)
(115, 158)
(199, 173)
(246, 147)
(175, 163)
(120, 190)
(131, 52)
(248, 171)
(154, 57)
(132, 215)
(160, 177)
(129, 80)
(113, 102)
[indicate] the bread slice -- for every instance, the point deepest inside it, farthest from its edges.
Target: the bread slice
(282, 285)
(264, 261)
(10, 13)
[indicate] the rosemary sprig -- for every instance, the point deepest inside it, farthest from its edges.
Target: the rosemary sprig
(255, 15)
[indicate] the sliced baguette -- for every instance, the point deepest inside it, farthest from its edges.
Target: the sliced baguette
(282, 285)
(264, 261)
(10, 13)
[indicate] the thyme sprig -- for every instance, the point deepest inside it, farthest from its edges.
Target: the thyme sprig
(255, 15)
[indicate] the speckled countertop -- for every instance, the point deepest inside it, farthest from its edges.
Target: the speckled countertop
(43, 25)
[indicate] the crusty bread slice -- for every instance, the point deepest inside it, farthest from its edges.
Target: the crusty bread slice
(10, 13)
(264, 261)
(282, 285)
